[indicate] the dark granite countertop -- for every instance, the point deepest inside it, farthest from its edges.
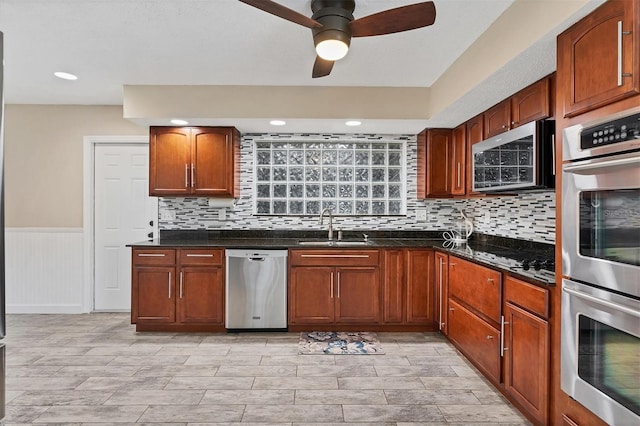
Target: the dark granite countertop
(505, 254)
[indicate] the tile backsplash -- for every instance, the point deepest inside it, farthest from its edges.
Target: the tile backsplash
(529, 216)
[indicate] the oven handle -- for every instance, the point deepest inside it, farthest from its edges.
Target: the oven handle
(599, 301)
(589, 168)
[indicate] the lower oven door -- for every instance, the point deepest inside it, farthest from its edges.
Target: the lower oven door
(600, 352)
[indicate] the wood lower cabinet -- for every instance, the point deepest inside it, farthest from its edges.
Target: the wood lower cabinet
(526, 347)
(393, 286)
(599, 58)
(177, 289)
(478, 287)
(334, 287)
(194, 161)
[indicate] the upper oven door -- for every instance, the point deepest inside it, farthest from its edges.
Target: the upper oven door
(601, 222)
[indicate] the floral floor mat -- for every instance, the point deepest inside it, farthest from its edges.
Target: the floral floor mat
(339, 343)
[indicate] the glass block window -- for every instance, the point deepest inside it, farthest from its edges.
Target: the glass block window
(352, 178)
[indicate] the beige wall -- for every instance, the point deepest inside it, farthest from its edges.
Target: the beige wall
(43, 160)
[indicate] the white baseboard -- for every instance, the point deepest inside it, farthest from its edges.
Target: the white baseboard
(44, 270)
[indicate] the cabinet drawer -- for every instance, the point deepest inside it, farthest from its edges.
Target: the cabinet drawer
(476, 286)
(153, 256)
(476, 338)
(334, 257)
(204, 257)
(528, 296)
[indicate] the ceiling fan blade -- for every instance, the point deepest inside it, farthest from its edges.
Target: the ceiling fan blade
(283, 12)
(321, 67)
(390, 21)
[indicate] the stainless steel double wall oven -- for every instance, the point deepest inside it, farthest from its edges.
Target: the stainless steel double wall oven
(600, 343)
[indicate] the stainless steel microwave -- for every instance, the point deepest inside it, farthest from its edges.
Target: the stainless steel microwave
(517, 160)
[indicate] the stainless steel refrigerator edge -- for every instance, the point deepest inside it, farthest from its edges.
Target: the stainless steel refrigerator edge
(2, 277)
(256, 291)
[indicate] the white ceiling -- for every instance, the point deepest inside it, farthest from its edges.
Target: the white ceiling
(111, 43)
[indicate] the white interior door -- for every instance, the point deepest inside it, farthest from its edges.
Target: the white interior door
(124, 213)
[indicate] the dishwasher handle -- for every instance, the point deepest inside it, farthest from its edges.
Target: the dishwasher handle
(257, 259)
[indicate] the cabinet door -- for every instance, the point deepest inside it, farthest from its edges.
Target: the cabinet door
(442, 291)
(598, 58)
(212, 160)
(477, 287)
(201, 295)
(475, 338)
(393, 286)
(526, 360)
(497, 119)
(311, 295)
(475, 134)
(357, 295)
(458, 166)
(153, 294)
(420, 289)
(530, 104)
(169, 161)
(439, 161)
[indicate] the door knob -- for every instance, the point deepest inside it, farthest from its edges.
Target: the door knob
(150, 235)
(151, 223)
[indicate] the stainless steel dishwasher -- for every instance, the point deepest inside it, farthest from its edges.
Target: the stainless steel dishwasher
(256, 290)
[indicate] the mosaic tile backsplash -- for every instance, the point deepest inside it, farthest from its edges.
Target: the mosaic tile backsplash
(529, 216)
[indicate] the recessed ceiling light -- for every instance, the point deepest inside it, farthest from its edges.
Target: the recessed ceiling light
(353, 123)
(277, 122)
(179, 122)
(65, 75)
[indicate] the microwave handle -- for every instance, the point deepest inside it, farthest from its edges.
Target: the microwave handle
(589, 168)
(599, 301)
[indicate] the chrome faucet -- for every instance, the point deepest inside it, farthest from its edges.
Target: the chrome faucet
(330, 221)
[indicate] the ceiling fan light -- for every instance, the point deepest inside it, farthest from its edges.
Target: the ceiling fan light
(332, 50)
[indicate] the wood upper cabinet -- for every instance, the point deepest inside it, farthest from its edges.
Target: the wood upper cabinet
(599, 58)
(435, 163)
(475, 134)
(175, 289)
(531, 103)
(526, 346)
(497, 119)
(459, 163)
(194, 161)
(442, 291)
(334, 287)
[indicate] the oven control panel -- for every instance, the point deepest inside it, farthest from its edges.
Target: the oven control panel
(611, 132)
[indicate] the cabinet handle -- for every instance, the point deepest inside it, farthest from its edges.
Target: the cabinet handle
(459, 167)
(332, 285)
(489, 337)
(180, 284)
(151, 255)
(365, 256)
(199, 255)
(620, 34)
(491, 280)
(169, 285)
(452, 264)
(553, 155)
(338, 285)
(186, 175)
(193, 175)
(440, 298)
(502, 324)
(504, 126)
(451, 309)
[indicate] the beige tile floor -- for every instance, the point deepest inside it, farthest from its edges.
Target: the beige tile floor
(95, 369)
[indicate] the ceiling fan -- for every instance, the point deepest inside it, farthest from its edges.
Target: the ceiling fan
(333, 25)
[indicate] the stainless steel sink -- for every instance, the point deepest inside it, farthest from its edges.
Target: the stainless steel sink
(333, 243)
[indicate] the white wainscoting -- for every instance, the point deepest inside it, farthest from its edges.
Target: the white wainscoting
(44, 270)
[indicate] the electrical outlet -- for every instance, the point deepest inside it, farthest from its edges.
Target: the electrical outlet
(167, 215)
(421, 215)
(222, 215)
